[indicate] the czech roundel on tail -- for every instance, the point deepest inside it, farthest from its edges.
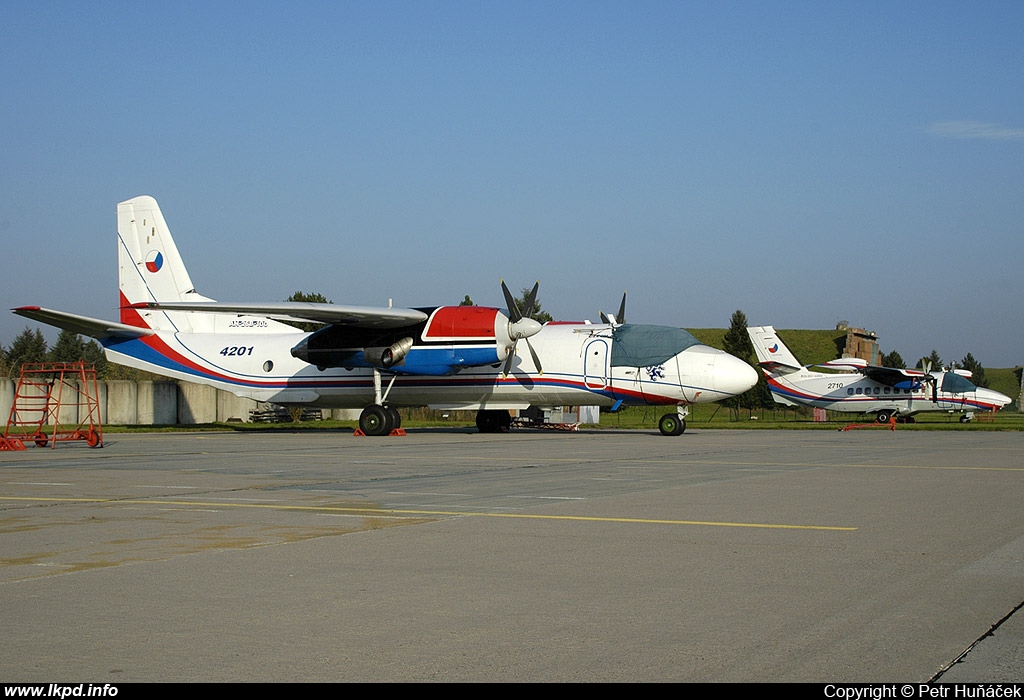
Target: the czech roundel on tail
(378, 359)
(854, 386)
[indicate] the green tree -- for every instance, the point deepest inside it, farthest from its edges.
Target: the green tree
(93, 354)
(71, 347)
(466, 302)
(311, 297)
(977, 371)
(114, 372)
(68, 348)
(737, 341)
(538, 313)
(894, 360)
(29, 346)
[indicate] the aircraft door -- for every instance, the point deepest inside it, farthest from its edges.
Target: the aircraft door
(596, 359)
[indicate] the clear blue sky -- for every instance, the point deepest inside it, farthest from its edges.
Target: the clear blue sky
(805, 162)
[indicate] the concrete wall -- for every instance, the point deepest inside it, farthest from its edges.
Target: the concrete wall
(142, 403)
(157, 403)
(233, 409)
(6, 398)
(197, 403)
(122, 402)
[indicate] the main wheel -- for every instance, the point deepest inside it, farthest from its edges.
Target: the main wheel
(491, 421)
(375, 420)
(671, 424)
(396, 418)
(883, 416)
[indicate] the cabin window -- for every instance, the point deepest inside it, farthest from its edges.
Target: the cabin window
(859, 391)
(888, 390)
(849, 392)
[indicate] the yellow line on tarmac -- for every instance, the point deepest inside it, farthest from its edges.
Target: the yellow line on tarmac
(434, 513)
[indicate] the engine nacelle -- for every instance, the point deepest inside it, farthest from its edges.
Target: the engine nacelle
(386, 357)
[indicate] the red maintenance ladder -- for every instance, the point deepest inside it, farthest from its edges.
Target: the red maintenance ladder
(60, 394)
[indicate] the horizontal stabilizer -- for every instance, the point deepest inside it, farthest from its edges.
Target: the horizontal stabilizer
(93, 327)
(855, 363)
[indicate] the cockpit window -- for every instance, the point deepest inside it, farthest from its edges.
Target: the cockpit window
(955, 384)
(643, 346)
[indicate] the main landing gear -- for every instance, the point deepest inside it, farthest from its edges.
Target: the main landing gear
(493, 421)
(886, 416)
(380, 419)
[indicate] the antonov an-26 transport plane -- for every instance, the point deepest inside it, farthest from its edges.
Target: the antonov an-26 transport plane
(862, 388)
(379, 358)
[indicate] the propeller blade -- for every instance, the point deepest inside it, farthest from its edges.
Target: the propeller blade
(507, 369)
(619, 318)
(513, 308)
(536, 360)
(530, 300)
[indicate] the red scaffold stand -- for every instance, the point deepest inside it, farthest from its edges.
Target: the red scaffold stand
(888, 425)
(61, 394)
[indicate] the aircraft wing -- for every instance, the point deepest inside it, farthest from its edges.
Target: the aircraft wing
(92, 327)
(891, 376)
(355, 316)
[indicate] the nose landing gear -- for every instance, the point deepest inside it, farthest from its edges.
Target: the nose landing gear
(674, 423)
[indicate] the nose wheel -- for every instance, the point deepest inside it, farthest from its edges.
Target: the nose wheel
(672, 424)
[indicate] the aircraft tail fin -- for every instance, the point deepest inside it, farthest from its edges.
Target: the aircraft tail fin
(150, 267)
(772, 353)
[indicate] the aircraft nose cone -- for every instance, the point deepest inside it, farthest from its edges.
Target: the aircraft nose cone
(733, 375)
(996, 398)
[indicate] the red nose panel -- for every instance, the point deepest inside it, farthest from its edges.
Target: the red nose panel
(460, 323)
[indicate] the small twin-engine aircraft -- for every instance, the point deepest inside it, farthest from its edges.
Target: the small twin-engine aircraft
(380, 358)
(862, 388)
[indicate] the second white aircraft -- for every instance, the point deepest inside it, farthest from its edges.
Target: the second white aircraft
(859, 387)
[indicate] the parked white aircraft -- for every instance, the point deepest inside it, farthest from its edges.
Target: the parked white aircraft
(884, 391)
(378, 359)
